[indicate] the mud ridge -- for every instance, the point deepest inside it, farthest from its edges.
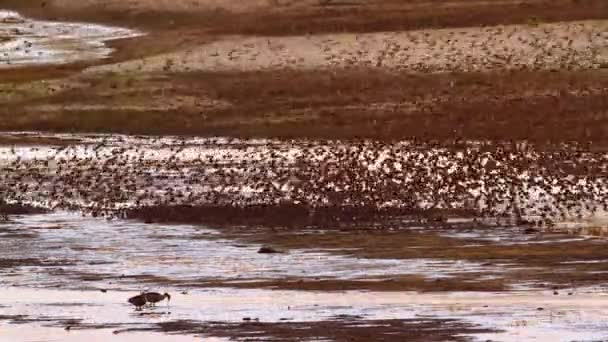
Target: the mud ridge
(347, 328)
(290, 215)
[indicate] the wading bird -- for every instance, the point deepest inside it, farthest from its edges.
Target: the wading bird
(139, 301)
(155, 297)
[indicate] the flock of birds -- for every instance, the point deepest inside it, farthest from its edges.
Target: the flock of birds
(150, 298)
(564, 46)
(518, 47)
(501, 182)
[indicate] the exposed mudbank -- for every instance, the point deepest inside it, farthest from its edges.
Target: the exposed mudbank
(25, 41)
(291, 215)
(7, 209)
(340, 328)
(517, 47)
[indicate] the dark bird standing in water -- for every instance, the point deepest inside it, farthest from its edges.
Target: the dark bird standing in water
(155, 297)
(139, 301)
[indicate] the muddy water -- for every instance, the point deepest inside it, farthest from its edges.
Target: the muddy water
(25, 41)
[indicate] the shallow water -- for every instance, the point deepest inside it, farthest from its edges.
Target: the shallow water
(569, 318)
(120, 254)
(35, 333)
(87, 254)
(28, 42)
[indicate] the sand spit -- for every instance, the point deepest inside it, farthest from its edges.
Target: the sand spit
(569, 45)
(27, 42)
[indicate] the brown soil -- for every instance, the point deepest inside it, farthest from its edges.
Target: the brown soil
(540, 106)
(172, 25)
(286, 215)
(302, 17)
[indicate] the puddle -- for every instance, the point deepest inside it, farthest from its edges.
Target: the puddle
(26, 41)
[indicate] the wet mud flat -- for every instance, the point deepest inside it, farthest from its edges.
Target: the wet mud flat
(281, 316)
(421, 270)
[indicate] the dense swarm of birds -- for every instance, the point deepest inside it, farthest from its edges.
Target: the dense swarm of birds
(505, 182)
(535, 46)
(513, 47)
